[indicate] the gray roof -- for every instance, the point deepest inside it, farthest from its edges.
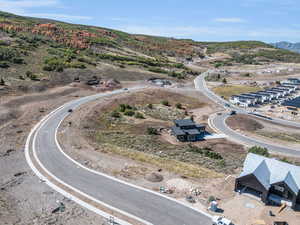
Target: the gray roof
(192, 131)
(200, 126)
(185, 122)
(264, 93)
(177, 131)
(271, 171)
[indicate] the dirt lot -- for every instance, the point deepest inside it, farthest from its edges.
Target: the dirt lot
(247, 210)
(23, 198)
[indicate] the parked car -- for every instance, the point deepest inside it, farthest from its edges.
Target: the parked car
(280, 223)
(220, 220)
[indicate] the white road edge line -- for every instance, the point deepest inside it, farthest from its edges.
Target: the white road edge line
(55, 187)
(80, 202)
(78, 191)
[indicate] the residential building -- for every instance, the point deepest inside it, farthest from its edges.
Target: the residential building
(293, 80)
(272, 180)
(187, 130)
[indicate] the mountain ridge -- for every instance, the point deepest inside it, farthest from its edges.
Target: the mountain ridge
(288, 45)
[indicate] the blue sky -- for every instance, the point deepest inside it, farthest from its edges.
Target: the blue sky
(210, 20)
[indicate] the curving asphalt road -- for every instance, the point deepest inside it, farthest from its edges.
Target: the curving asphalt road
(219, 121)
(150, 207)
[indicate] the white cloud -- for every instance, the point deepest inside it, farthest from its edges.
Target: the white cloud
(23, 7)
(229, 20)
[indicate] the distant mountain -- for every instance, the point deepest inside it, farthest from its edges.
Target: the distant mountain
(295, 47)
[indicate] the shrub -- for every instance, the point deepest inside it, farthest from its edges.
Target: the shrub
(123, 107)
(129, 112)
(33, 76)
(28, 73)
(165, 103)
(152, 131)
(17, 60)
(157, 70)
(2, 82)
(259, 151)
(176, 75)
(211, 199)
(224, 81)
(150, 106)
(139, 115)
(222, 163)
(115, 114)
(4, 65)
(77, 65)
(178, 106)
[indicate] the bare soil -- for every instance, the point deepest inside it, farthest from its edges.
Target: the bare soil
(23, 198)
(244, 123)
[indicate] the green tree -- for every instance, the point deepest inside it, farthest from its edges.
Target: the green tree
(224, 81)
(259, 151)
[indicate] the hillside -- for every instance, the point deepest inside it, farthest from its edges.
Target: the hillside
(40, 53)
(295, 47)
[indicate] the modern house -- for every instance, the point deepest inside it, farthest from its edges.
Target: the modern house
(266, 97)
(244, 101)
(287, 89)
(272, 180)
(291, 85)
(258, 98)
(282, 92)
(187, 130)
(294, 80)
(275, 95)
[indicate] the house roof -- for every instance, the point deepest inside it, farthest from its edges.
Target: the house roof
(177, 131)
(185, 122)
(200, 126)
(270, 171)
(192, 131)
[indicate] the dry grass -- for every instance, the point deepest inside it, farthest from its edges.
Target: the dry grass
(182, 168)
(229, 90)
(288, 137)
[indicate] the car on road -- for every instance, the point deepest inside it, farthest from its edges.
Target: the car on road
(70, 110)
(220, 220)
(233, 113)
(125, 89)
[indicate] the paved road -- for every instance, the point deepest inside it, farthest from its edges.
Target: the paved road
(200, 85)
(140, 203)
(219, 121)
